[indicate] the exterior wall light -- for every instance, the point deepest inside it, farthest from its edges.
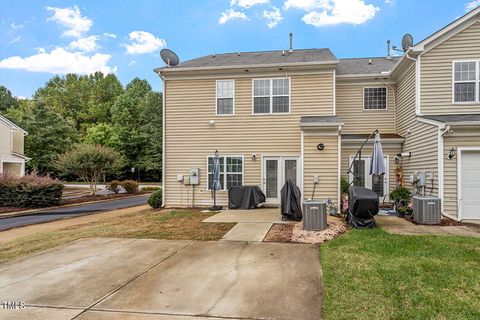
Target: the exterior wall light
(452, 153)
(320, 146)
(254, 157)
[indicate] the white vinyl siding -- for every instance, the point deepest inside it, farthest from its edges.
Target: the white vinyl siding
(271, 96)
(375, 98)
(465, 81)
(231, 171)
(225, 97)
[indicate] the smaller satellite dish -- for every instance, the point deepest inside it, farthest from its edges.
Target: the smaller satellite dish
(169, 57)
(407, 41)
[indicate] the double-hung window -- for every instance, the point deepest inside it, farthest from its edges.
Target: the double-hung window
(271, 95)
(225, 97)
(375, 98)
(231, 171)
(465, 81)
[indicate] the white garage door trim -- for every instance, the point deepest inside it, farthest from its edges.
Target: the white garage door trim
(459, 176)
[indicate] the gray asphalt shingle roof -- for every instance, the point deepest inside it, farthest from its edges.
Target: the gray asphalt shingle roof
(454, 118)
(362, 66)
(259, 57)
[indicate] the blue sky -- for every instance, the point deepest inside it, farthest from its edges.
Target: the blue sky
(43, 38)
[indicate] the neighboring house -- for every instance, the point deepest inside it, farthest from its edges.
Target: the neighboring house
(12, 159)
(269, 114)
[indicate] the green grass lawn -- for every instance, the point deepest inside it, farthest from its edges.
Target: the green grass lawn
(371, 274)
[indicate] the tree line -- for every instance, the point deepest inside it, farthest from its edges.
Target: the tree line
(92, 109)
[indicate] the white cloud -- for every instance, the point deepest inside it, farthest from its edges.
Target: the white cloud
(16, 26)
(143, 42)
(247, 3)
(332, 12)
(231, 14)
(131, 63)
(273, 17)
(472, 5)
(306, 5)
(87, 44)
(72, 19)
(110, 35)
(14, 40)
(60, 61)
(389, 1)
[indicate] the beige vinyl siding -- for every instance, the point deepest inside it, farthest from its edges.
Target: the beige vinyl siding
(422, 141)
(323, 164)
(436, 72)
(17, 141)
(450, 169)
(190, 105)
(5, 142)
(390, 150)
(349, 107)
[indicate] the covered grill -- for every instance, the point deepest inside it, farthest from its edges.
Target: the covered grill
(363, 205)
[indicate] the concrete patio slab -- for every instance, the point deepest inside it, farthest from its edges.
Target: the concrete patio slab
(79, 274)
(34, 313)
(256, 215)
(105, 278)
(229, 279)
(248, 231)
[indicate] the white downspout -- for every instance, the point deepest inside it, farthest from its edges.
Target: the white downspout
(163, 138)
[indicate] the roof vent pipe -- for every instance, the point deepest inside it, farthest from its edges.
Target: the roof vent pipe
(389, 57)
(291, 43)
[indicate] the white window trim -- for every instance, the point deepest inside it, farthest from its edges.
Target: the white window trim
(216, 98)
(386, 99)
(225, 173)
(477, 83)
(271, 97)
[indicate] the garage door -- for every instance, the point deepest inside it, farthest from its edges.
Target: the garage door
(470, 197)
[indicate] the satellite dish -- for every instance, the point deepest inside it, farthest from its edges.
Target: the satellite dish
(169, 57)
(407, 41)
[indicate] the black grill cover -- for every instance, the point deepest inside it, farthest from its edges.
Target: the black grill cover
(363, 205)
(245, 197)
(291, 206)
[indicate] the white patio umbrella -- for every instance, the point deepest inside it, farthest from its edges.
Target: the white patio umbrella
(377, 166)
(216, 185)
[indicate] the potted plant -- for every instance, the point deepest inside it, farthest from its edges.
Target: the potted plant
(401, 196)
(344, 185)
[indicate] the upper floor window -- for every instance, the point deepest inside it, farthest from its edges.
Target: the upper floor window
(465, 81)
(225, 97)
(271, 95)
(375, 98)
(231, 172)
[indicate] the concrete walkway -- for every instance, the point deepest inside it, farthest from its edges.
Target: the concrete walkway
(107, 278)
(398, 225)
(252, 225)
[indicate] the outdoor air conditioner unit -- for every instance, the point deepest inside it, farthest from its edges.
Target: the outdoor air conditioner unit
(427, 210)
(314, 215)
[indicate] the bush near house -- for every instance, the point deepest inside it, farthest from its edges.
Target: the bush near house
(155, 199)
(149, 189)
(130, 186)
(29, 191)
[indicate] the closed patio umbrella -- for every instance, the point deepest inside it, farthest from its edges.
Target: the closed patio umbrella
(377, 166)
(216, 185)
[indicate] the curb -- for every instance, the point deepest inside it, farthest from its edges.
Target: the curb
(42, 210)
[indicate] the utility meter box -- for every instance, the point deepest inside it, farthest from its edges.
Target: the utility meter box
(194, 175)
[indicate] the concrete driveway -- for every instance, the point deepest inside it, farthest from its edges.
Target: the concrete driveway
(105, 278)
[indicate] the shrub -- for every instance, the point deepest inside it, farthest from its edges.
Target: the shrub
(155, 199)
(29, 191)
(114, 186)
(344, 185)
(400, 194)
(149, 189)
(130, 186)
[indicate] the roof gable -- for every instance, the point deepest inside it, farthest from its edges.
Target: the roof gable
(11, 125)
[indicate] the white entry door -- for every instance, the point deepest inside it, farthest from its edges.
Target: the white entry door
(276, 171)
(361, 168)
(470, 185)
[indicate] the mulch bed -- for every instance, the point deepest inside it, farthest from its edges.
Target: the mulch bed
(443, 222)
(77, 200)
(280, 232)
